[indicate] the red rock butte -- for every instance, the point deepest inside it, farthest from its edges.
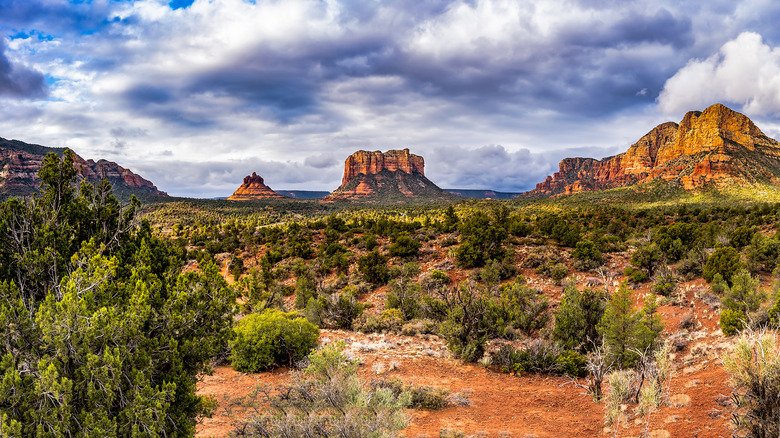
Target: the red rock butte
(714, 146)
(392, 176)
(254, 188)
(371, 163)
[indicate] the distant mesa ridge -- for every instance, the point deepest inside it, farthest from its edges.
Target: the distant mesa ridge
(20, 162)
(386, 176)
(716, 146)
(254, 187)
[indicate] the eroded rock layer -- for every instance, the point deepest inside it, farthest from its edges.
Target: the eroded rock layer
(20, 162)
(395, 175)
(370, 163)
(714, 146)
(254, 188)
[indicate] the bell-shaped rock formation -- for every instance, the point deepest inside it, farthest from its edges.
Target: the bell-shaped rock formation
(254, 188)
(710, 147)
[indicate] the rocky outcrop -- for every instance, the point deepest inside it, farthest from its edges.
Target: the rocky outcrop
(254, 188)
(20, 162)
(714, 146)
(392, 176)
(371, 163)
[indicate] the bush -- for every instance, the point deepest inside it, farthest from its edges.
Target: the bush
(335, 310)
(724, 261)
(577, 316)
(272, 338)
(326, 399)
(587, 256)
(754, 366)
(636, 276)
(389, 321)
(558, 272)
(404, 246)
(647, 257)
(665, 283)
(572, 364)
(732, 321)
(373, 266)
(418, 396)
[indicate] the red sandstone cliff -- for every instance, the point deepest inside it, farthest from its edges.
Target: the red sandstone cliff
(717, 145)
(390, 176)
(370, 163)
(254, 188)
(20, 162)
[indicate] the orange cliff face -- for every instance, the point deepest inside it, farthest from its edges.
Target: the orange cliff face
(392, 176)
(698, 151)
(371, 163)
(254, 188)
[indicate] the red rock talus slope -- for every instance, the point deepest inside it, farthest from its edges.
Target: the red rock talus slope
(254, 188)
(395, 175)
(20, 162)
(716, 146)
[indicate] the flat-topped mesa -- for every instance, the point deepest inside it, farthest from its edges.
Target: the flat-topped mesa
(717, 145)
(390, 177)
(371, 163)
(254, 188)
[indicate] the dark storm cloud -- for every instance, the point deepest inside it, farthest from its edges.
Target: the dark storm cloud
(311, 81)
(17, 80)
(659, 28)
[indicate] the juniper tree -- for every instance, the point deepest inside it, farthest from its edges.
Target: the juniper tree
(102, 334)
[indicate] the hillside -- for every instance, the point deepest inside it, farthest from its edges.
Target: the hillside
(20, 162)
(714, 148)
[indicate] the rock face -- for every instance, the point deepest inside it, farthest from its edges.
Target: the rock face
(370, 163)
(254, 188)
(395, 175)
(711, 147)
(20, 162)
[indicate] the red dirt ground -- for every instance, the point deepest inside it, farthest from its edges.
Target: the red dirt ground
(527, 405)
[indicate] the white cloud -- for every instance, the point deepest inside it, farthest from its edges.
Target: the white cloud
(745, 72)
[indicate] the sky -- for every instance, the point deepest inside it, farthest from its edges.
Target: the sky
(195, 95)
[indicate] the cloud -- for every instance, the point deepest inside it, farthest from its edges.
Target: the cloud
(221, 178)
(745, 72)
(18, 81)
(495, 167)
(292, 88)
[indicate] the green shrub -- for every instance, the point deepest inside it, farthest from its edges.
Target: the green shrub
(664, 282)
(373, 266)
(741, 237)
(272, 338)
(587, 256)
(732, 321)
(647, 257)
(404, 246)
(389, 321)
(724, 261)
(326, 399)
(558, 272)
(577, 317)
(572, 364)
(634, 275)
